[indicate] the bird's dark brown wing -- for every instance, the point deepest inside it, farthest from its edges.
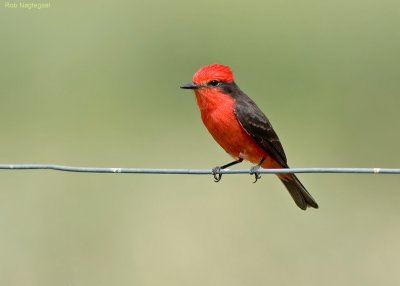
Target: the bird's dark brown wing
(256, 124)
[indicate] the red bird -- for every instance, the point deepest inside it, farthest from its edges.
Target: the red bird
(241, 128)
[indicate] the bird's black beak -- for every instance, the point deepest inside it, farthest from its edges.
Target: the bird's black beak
(190, 85)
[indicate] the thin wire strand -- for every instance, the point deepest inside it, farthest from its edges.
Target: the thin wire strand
(195, 171)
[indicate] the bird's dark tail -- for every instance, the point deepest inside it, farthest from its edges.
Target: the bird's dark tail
(301, 197)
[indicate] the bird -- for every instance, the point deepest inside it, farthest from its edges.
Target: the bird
(239, 126)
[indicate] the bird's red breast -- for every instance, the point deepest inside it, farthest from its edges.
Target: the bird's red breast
(218, 116)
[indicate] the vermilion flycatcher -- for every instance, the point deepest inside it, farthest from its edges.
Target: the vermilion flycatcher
(241, 128)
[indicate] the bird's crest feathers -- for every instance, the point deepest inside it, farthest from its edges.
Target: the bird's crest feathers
(213, 72)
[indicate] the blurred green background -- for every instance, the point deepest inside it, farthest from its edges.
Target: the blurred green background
(96, 83)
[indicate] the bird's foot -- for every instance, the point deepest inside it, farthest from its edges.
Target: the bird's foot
(254, 171)
(216, 172)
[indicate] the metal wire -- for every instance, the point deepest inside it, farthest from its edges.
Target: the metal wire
(195, 171)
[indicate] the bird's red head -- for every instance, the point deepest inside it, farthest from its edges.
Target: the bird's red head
(213, 72)
(209, 77)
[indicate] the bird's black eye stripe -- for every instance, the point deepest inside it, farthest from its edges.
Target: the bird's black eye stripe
(214, 82)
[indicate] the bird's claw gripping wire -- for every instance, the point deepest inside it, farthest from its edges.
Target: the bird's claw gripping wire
(216, 172)
(254, 171)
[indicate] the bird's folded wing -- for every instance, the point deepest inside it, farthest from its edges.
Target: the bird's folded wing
(258, 126)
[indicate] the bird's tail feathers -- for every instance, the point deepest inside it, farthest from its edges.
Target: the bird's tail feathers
(300, 195)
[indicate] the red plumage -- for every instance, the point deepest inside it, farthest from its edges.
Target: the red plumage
(215, 72)
(240, 127)
(217, 113)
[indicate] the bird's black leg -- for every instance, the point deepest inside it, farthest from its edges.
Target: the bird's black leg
(217, 170)
(254, 170)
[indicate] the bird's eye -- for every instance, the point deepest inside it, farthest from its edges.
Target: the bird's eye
(214, 82)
